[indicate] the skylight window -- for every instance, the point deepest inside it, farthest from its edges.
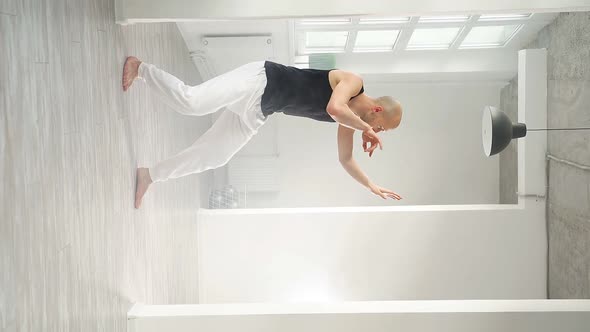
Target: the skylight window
(375, 41)
(489, 36)
(448, 18)
(381, 33)
(435, 38)
(384, 20)
(503, 17)
(325, 21)
(325, 41)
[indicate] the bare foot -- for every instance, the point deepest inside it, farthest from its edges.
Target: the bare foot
(130, 71)
(143, 181)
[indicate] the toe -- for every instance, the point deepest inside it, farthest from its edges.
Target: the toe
(126, 83)
(137, 201)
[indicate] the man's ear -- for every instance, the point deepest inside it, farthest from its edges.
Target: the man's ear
(378, 109)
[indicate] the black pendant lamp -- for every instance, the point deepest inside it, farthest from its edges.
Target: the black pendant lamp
(497, 130)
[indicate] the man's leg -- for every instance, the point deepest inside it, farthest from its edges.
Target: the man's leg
(213, 149)
(205, 98)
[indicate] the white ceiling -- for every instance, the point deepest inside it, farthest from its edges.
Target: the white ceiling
(497, 64)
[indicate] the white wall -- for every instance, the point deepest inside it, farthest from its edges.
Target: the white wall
(502, 62)
(407, 316)
(434, 157)
(491, 63)
(372, 254)
(130, 11)
(385, 253)
(193, 33)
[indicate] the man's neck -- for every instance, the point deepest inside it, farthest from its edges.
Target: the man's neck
(363, 105)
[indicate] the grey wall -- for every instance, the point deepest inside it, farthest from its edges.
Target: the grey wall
(567, 40)
(508, 157)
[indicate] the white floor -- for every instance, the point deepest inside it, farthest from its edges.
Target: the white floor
(74, 254)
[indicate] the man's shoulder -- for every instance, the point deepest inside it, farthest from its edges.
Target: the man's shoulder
(347, 76)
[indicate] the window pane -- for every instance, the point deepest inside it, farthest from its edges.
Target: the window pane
(448, 18)
(302, 59)
(503, 17)
(433, 38)
(489, 36)
(324, 21)
(380, 40)
(384, 20)
(325, 41)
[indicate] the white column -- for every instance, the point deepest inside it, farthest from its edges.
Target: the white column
(532, 110)
(407, 316)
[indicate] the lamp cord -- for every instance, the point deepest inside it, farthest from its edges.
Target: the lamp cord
(540, 129)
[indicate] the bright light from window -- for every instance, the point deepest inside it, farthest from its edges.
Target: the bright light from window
(301, 61)
(324, 21)
(449, 18)
(384, 20)
(504, 17)
(489, 36)
(438, 38)
(325, 41)
(380, 33)
(375, 41)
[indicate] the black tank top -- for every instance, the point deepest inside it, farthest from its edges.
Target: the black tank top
(298, 92)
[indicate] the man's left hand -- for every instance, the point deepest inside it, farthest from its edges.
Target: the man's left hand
(373, 144)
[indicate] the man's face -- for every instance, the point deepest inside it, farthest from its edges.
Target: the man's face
(383, 121)
(378, 122)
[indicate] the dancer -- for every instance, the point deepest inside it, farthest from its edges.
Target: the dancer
(249, 95)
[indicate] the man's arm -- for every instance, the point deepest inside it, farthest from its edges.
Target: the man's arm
(345, 143)
(338, 108)
(338, 104)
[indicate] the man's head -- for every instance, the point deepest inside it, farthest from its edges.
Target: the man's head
(383, 113)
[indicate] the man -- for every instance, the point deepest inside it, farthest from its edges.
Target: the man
(250, 94)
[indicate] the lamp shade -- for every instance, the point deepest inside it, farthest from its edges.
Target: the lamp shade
(497, 130)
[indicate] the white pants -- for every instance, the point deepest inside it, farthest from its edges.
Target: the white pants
(239, 91)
